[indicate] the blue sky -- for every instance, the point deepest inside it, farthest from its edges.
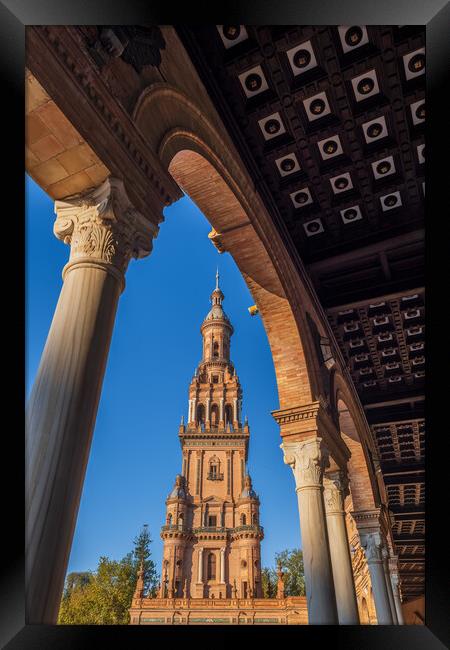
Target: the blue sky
(155, 348)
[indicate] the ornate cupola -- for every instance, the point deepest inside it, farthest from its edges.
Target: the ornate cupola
(215, 394)
(248, 492)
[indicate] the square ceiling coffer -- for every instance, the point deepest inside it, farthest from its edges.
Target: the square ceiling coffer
(301, 58)
(253, 81)
(317, 106)
(352, 37)
(232, 34)
(272, 126)
(330, 147)
(365, 85)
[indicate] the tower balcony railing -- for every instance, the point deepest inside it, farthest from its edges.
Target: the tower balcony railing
(214, 428)
(249, 527)
(215, 476)
(183, 528)
(210, 529)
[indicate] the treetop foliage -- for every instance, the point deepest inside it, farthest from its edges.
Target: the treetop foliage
(104, 597)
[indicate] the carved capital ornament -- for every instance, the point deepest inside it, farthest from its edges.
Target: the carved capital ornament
(335, 489)
(307, 460)
(103, 229)
(372, 544)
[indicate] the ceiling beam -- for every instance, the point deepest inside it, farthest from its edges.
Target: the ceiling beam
(355, 304)
(402, 470)
(408, 511)
(409, 539)
(332, 263)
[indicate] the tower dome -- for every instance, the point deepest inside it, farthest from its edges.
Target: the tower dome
(216, 312)
(248, 490)
(179, 489)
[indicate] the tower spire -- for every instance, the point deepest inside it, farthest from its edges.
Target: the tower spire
(217, 278)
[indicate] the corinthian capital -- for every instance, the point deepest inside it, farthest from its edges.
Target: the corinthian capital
(335, 489)
(372, 544)
(393, 566)
(103, 227)
(307, 460)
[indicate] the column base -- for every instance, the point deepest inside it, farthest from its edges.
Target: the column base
(199, 590)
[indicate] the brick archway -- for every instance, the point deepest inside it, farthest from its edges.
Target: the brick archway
(206, 166)
(200, 180)
(356, 435)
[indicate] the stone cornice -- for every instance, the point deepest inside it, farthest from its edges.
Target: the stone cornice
(57, 59)
(307, 420)
(297, 413)
(367, 519)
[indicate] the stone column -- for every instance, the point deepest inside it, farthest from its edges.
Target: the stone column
(222, 564)
(221, 416)
(190, 418)
(387, 575)
(393, 566)
(104, 231)
(235, 410)
(372, 545)
(200, 565)
(208, 410)
(307, 459)
(335, 487)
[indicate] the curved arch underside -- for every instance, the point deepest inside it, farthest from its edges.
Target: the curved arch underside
(199, 155)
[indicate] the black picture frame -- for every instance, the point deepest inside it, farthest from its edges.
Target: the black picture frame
(435, 14)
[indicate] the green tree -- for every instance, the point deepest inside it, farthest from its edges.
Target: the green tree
(104, 597)
(77, 580)
(142, 554)
(294, 572)
(103, 600)
(269, 582)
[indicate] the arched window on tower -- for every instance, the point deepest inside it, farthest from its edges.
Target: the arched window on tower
(180, 520)
(211, 566)
(243, 520)
(201, 415)
(228, 416)
(215, 349)
(169, 519)
(214, 415)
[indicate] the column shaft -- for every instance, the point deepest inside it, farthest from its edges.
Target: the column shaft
(341, 563)
(60, 421)
(387, 576)
(200, 565)
(222, 565)
(397, 601)
(372, 546)
(104, 232)
(307, 460)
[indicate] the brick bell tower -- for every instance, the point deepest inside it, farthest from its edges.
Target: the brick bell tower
(212, 534)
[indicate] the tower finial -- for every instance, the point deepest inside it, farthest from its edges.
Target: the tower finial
(217, 278)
